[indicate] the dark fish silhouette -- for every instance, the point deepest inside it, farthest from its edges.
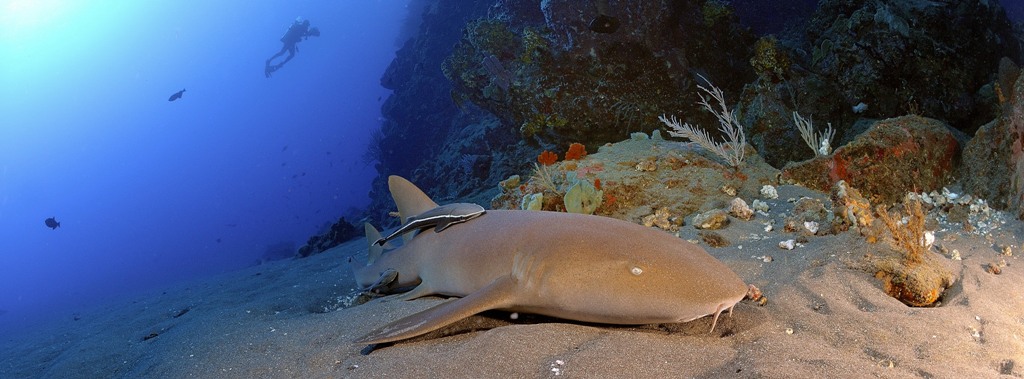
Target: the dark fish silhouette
(176, 95)
(604, 24)
(52, 223)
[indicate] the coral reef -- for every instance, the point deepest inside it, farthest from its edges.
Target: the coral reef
(484, 88)
(680, 178)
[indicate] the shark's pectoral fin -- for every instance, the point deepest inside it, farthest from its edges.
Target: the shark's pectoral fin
(419, 291)
(498, 294)
(383, 284)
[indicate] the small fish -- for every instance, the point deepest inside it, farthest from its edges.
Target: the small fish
(440, 218)
(176, 95)
(604, 24)
(52, 223)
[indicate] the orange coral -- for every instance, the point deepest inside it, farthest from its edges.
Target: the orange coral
(547, 158)
(609, 199)
(597, 184)
(576, 151)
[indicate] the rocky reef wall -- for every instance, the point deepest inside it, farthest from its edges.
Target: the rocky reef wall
(485, 86)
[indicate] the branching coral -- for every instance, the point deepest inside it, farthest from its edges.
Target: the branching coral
(732, 149)
(917, 278)
(544, 178)
(909, 237)
(821, 143)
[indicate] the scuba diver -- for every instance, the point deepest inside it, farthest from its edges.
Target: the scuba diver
(299, 31)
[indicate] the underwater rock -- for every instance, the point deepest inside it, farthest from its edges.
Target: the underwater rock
(739, 209)
(713, 239)
(760, 206)
(893, 157)
(421, 111)
(766, 108)
(787, 244)
(851, 209)
(663, 219)
(509, 184)
(909, 271)
(916, 286)
(340, 232)
(643, 70)
(993, 165)
(711, 220)
(871, 51)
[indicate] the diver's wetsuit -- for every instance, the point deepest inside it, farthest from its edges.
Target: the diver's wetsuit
(291, 38)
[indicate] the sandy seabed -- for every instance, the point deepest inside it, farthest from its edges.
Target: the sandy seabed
(825, 317)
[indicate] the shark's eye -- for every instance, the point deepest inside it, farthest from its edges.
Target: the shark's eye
(636, 271)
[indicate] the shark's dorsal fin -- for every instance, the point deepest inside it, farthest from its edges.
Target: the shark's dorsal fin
(410, 199)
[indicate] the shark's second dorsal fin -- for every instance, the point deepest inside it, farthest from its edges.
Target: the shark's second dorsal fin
(372, 235)
(410, 199)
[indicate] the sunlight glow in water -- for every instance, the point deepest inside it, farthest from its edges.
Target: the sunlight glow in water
(22, 19)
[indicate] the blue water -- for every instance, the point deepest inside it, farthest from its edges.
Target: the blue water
(148, 191)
